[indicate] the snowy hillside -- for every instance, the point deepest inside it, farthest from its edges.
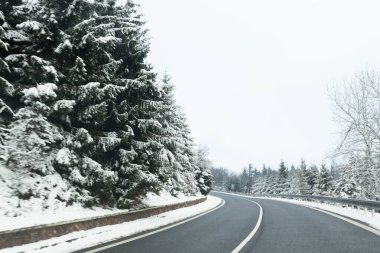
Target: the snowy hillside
(83, 118)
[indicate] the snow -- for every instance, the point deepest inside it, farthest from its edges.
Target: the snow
(65, 45)
(29, 215)
(108, 40)
(42, 207)
(64, 156)
(15, 36)
(42, 92)
(30, 26)
(84, 239)
(64, 105)
(165, 198)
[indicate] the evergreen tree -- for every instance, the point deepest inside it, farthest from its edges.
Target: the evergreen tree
(299, 183)
(74, 73)
(282, 186)
(312, 178)
(324, 181)
(244, 180)
(203, 174)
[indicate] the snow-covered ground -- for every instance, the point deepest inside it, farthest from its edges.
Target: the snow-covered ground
(356, 214)
(76, 211)
(84, 239)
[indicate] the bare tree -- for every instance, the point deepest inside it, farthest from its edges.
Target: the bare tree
(357, 109)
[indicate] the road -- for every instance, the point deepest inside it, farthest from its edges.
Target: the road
(285, 228)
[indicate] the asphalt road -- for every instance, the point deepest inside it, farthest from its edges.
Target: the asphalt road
(291, 228)
(219, 231)
(285, 228)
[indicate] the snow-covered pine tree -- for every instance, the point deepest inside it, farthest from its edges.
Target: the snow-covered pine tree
(324, 181)
(29, 84)
(203, 173)
(312, 179)
(176, 161)
(282, 185)
(298, 184)
(346, 185)
(244, 180)
(139, 136)
(270, 181)
(78, 68)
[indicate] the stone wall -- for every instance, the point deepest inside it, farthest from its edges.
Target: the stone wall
(37, 233)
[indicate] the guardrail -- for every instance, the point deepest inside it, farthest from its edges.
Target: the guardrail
(21, 236)
(369, 204)
(356, 203)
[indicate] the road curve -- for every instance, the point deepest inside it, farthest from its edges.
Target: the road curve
(219, 231)
(285, 228)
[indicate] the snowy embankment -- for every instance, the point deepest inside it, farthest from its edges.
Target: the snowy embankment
(367, 217)
(76, 211)
(84, 239)
(43, 207)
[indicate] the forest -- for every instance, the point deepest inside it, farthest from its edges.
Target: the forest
(83, 116)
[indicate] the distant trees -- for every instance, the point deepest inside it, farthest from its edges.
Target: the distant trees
(220, 177)
(357, 172)
(303, 179)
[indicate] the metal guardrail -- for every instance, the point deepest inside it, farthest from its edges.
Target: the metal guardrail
(368, 204)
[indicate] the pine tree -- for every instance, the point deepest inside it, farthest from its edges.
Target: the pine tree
(244, 180)
(203, 174)
(270, 181)
(28, 84)
(282, 186)
(324, 181)
(312, 178)
(299, 183)
(74, 71)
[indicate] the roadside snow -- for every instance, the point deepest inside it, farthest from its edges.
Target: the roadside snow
(76, 211)
(165, 198)
(84, 239)
(73, 212)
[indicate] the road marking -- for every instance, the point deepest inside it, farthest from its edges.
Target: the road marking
(253, 232)
(370, 229)
(156, 231)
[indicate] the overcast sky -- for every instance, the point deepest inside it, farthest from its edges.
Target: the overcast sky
(252, 75)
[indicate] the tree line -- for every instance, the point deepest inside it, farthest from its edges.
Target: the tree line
(301, 179)
(356, 159)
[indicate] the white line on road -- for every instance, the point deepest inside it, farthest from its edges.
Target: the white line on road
(253, 232)
(349, 220)
(155, 231)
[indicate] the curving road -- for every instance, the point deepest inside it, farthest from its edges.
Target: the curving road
(285, 228)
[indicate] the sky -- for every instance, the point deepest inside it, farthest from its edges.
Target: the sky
(252, 76)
